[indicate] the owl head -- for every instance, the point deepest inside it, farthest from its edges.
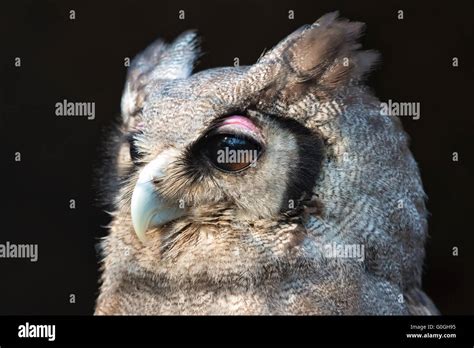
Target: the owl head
(246, 170)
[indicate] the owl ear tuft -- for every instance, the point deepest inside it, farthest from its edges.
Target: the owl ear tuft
(327, 53)
(157, 63)
(323, 56)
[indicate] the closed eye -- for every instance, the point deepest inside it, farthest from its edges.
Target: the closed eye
(135, 154)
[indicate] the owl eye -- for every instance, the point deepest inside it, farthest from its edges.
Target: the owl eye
(231, 152)
(135, 154)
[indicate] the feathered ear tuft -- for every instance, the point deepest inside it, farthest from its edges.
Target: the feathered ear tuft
(327, 53)
(158, 62)
(321, 57)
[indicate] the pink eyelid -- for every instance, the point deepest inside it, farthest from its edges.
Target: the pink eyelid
(240, 121)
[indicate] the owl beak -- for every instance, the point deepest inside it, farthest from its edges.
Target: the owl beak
(148, 208)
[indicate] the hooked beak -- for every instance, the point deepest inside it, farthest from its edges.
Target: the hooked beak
(148, 208)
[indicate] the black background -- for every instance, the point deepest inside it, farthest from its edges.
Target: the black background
(83, 60)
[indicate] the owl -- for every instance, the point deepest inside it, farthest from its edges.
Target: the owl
(276, 188)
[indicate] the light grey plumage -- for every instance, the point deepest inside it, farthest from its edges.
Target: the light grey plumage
(333, 171)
